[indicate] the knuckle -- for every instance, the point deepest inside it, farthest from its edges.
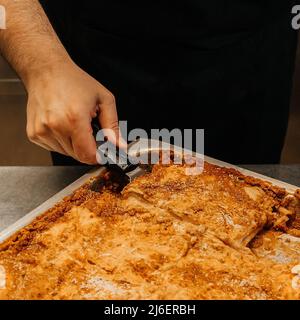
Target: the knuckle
(40, 131)
(34, 134)
(51, 123)
(110, 99)
(113, 130)
(55, 122)
(115, 126)
(72, 117)
(31, 135)
(85, 158)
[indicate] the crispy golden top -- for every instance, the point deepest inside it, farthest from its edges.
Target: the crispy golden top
(218, 235)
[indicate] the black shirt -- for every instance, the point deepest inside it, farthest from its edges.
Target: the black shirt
(224, 65)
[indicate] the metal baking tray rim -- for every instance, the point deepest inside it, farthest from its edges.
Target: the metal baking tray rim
(28, 218)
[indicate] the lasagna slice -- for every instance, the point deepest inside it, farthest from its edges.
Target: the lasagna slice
(277, 246)
(234, 207)
(222, 272)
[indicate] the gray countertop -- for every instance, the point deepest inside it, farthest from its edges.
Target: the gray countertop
(24, 188)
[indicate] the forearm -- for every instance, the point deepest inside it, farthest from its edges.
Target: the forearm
(29, 42)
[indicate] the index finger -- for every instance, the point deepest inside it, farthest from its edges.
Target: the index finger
(83, 143)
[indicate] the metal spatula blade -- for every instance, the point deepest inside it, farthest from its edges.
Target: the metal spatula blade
(121, 167)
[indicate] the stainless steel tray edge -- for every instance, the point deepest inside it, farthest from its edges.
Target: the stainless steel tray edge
(28, 218)
(289, 187)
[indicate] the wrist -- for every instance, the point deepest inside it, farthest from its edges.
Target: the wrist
(44, 70)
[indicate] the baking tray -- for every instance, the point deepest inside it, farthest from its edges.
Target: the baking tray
(28, 218)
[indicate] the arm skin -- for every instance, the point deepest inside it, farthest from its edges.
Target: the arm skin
(62, 98)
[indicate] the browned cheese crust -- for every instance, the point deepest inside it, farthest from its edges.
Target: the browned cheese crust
(168, 235)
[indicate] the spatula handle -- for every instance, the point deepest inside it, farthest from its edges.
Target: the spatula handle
(109, 154)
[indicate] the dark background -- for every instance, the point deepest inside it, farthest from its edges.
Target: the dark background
(15, 149)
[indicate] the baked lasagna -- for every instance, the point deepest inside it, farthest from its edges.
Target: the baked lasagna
(166, 235)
